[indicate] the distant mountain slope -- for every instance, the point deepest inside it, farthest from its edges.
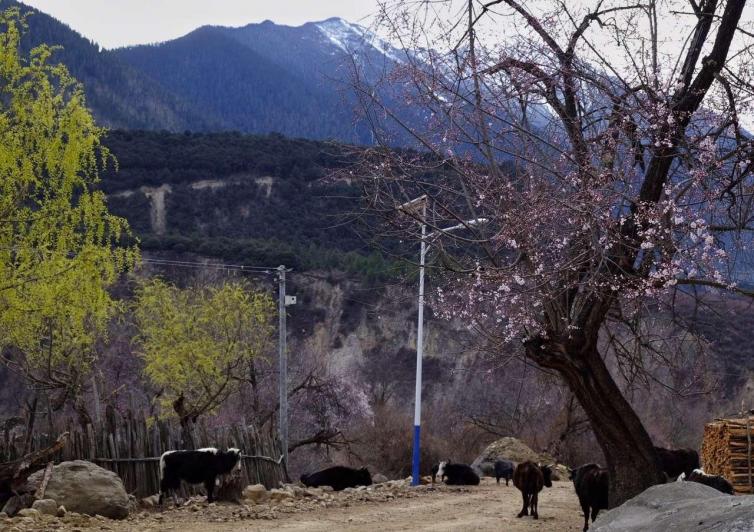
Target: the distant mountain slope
(266, 78)
(260, 78)
(119, 95)
(246, 90)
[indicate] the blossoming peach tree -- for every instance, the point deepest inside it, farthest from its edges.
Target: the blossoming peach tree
(604, 145)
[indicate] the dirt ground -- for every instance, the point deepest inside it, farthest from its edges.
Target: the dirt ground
(487, 507)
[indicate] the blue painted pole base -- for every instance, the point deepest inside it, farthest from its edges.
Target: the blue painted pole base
(415, 479)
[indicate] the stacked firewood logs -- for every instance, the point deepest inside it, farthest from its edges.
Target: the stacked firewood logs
(728, 450)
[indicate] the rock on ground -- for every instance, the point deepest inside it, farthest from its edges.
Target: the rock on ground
(255, 494)
(680, 507)
(379, 478)
(29, 512)
(46, 506)
(86, 488)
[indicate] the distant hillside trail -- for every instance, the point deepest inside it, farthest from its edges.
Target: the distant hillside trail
(486, 508)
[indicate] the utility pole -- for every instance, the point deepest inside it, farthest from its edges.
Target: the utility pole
(415, 477)
(283, 368)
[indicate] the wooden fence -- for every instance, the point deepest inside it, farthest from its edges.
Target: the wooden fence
(131, 447)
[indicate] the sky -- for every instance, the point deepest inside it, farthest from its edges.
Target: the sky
(114, 23)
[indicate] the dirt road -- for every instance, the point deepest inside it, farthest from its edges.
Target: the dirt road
(487, 507)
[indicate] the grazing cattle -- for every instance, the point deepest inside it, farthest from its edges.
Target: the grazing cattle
(202, 466)
(673, 462)
(529, 479)
(457, 474)
(338, 477)
(592, 483)
(503, 469)
(713, 481)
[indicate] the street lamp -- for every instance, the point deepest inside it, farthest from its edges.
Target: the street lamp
(421, 202)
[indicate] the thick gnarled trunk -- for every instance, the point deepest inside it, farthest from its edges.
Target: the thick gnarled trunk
(625, 443)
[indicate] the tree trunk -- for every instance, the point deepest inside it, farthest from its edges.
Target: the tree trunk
(187, 422)
(628, 449)
(82, 413)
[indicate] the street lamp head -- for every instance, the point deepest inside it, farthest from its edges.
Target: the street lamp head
(413, 206)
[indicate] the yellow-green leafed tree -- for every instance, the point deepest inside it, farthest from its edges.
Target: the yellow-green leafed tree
(60, 248)
(197, 342)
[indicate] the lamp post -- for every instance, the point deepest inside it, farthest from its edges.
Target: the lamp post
(422, 203)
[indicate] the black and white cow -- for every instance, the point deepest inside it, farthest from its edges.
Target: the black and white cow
(202, 466)
(457, 474)
(713, 481)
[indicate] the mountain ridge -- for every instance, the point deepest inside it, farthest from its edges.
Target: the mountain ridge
(292, 80)
(258, 78)
(118, 95)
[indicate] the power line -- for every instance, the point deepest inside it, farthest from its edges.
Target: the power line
(269, 270)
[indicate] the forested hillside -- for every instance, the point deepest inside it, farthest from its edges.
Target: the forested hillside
(236, 75)
(117, 93)
(251, 199)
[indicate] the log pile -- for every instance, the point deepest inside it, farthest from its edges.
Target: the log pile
(728, 451)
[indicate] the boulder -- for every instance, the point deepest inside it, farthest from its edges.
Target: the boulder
(86, 488)
(679, 507)
(379, 478)
(46, 506)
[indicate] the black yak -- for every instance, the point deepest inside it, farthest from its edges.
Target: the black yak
(503, 469)
(529, 478)
(338, 477)
(592, 483)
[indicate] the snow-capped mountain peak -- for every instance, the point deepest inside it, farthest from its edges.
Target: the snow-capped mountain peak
(350, 37)
(341, 33)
